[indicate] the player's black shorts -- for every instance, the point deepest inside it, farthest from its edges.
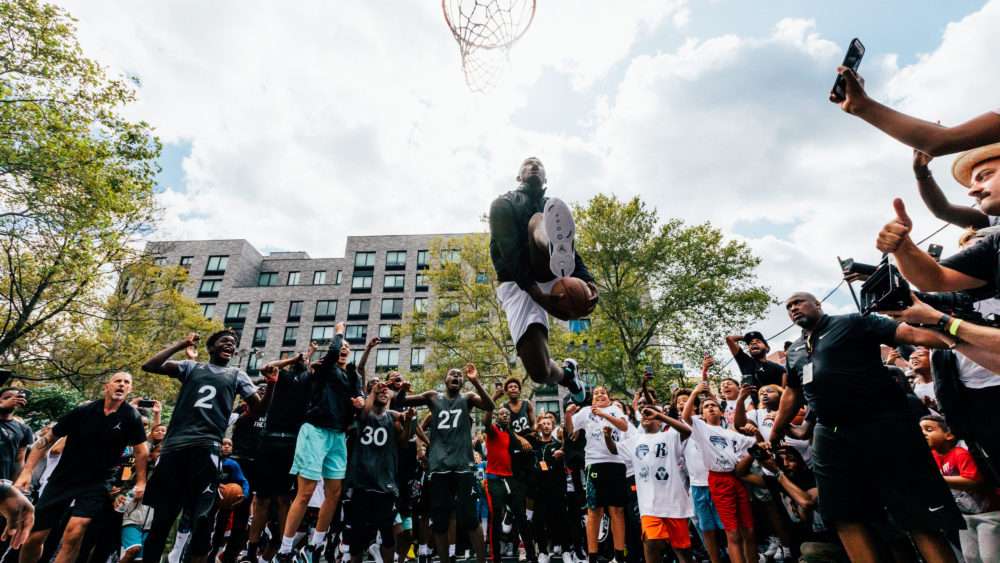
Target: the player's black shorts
(863, 468)
(83, 502)
(187, 477)
(370, 512)
(606, 485)
(451, 493)
(274, 460)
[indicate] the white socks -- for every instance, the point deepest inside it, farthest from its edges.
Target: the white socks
(287, 543)
(317, 538)
(180, 541)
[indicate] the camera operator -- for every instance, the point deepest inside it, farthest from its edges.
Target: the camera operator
(925, 136)
(869, 457)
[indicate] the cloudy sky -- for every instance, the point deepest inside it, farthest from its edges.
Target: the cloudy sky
(295, 124)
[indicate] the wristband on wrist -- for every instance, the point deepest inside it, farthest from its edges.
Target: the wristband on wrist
(953, 328)
(943, 322)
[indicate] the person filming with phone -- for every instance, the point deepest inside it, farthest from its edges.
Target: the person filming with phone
(836, 366)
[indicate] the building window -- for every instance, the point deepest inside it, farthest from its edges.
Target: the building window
(208, 310)
(267, 279)
(356, 333)
(286, 353)
(392, 308)
(294, 310)
(450, 309)
(579, 325)
(361, 282)
(322, 335)
(209, 288)
(355, 356)
(481, 277)
(423, 282)
(259, 337)
(254, 363)
(358, 308)
(551, 406)
(265, 311)
(451, 256)
(394, 282)
(420, 305)
(216, 265)
(417, 358)
(293, 278)
(387, 359)
(339, 278)
(423, 259)
(160, 261)
(364, 260)
(395, 260)
(288, 339)
(237, 312)
(319, 278)
(325, 310)
(186, 262)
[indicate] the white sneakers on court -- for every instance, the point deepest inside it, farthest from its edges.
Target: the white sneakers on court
(560, 229)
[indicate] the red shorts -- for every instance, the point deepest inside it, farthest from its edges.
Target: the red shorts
(732, 501)
(672, 530)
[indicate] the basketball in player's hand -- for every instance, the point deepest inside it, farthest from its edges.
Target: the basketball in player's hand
(574, 297)
(230, 494)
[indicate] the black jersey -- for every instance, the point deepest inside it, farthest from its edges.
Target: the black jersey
(450, 435)
(519, 421)
(375, 455)
(204, 404)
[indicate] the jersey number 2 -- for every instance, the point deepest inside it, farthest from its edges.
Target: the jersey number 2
(209, 392)
(449, 419)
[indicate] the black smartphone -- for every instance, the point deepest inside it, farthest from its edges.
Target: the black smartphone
(147, 403)
(852, 60)
(935, 251)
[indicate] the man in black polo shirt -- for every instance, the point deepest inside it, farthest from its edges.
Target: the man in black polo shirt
(96, 434)
(757, 370)
(869, 455)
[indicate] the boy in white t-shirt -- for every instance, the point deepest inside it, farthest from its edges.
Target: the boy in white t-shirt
(605, 472)
(706, 518)
(722, 449)
(657, 454)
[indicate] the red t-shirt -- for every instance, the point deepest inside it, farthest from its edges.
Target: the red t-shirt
(498, 451)
(958, 462)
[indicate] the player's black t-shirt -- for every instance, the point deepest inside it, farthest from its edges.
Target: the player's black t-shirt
(289, 399)
(450, 435)
(94, 444)
(14, 435)
(843, 376)
(981, 261)
(759, 373)
(374, 457)
(521, 461)
(204, 404)
(247, 436)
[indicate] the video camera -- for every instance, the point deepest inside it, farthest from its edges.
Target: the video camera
(885, 289)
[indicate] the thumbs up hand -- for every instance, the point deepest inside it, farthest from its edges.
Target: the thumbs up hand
(895, 233)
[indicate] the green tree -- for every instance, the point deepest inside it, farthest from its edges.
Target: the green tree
(48, 403)
(76, 182)
(667, 289)
(464, 321)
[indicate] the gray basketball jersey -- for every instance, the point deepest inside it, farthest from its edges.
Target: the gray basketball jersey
(375, 455)
(451, 435)
(204, 404)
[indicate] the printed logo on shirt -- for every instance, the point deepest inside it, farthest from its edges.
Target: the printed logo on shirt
(719, 442)
(644, 474)
(642, 451)
(661, 474)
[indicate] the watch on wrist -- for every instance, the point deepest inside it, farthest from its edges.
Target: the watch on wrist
(943, 322)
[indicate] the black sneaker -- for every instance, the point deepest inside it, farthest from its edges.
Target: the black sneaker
(285, 557)
(571, 382)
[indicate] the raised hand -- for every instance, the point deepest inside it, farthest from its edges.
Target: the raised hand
(572, 409)
(340, 327)
(191, 346)
(896, 232)
(373, 343)
(855, 96)
(921, 160)
(470, 372)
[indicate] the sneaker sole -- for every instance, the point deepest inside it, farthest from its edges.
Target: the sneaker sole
(560, 230)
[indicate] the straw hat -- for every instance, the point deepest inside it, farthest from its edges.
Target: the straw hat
(965, 162)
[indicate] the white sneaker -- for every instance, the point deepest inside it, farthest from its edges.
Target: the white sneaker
(560, 230)
(543, 558)
(773, 545)
(783, 554)
(567, 557)
(375, 552)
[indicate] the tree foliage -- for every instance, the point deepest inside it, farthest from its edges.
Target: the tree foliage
(668, 290)
(76, 182)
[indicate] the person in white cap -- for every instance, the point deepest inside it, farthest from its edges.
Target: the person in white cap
(925, 136)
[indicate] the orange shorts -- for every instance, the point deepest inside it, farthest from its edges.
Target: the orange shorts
(672, 530)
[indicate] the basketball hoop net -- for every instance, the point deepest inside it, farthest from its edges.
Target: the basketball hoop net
(485, 30)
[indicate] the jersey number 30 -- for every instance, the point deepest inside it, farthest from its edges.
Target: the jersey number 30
(376, 436)
(209, 393)
(448, 419)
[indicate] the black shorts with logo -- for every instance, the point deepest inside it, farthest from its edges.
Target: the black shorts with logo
(369, 513)
(274, 460)
(606, 485)
(188, 478)
(884, 464)
(82, 501)
(452, 493)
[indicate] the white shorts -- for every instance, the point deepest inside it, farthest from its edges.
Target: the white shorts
(522, 311)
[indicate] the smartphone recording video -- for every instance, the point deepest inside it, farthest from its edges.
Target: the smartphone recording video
(852, 60)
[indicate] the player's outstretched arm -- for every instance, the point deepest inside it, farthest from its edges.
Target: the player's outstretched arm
(161, 363)
(420, 399)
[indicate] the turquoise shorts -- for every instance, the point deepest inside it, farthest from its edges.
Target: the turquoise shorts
(133, 536)
(405, 523)
(706, 518)
(320, 453)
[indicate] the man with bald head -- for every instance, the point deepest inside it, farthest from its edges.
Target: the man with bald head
(870, 458)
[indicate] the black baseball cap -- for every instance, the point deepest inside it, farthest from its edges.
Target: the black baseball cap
(755, 334)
